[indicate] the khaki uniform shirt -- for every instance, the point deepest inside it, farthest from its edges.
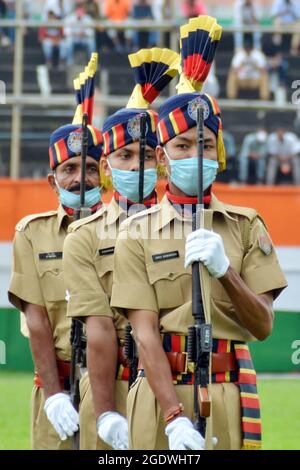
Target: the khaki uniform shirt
(37, 276)
(149, 271)
(88, 264)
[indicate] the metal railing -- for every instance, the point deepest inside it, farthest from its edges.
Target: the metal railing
(18, 99)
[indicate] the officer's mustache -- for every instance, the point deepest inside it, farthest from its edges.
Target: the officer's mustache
(76, 187)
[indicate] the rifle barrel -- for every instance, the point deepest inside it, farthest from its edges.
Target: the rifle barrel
(142, 156)
(84, 148)
(197, 305)
(197, 346)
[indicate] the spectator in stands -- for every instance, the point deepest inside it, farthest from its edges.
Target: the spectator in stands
(4, 39)
(162, 9)
(93, 10)
(78, 32)
(287, 13)
(283, 148)
(53, 39)
(118, 11)
(192, 8)
(248, 71)
(211, 85)
(277, 67)
(61, 8)
(142, 11)
(252, 157)
(245, 13)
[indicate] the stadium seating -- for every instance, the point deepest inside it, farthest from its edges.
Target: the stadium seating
(38, 122)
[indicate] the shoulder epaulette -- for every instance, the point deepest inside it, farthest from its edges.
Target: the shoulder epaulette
(245, 211)
(86, 220)
(140, 215)
(22, 224)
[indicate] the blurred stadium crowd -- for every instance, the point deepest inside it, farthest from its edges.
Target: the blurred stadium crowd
(263, 144)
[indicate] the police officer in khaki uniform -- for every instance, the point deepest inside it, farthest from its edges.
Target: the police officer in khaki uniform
(152, 284)
(88, 259)
(37, 285)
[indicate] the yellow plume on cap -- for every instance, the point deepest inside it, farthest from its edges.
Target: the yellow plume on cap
(84, 88)
(199, 39)
(153, 69)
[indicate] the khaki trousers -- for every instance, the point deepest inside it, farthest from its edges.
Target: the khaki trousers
(146, 425)
(89, 439)
(43, 434)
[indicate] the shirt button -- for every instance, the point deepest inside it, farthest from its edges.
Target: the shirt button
(171, 275)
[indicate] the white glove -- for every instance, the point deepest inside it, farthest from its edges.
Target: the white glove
(183, 436)
(62, 415)
(206, 246)
(113, 429)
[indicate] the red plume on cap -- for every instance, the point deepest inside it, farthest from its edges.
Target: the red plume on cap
(153, 69)
(199, 39)
(84, 86)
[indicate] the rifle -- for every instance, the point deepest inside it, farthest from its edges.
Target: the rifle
(131, 355)
(142, 156)
(130, 346)
(200, 334)
(78, 342)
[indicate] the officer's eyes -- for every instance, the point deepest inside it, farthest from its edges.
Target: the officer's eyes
(128, 156)
(69, 169)
(125, 156)
(182, 146)
(92, 169)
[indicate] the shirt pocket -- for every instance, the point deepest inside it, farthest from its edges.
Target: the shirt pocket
(170, 281)
(104, 267)
(52, 280)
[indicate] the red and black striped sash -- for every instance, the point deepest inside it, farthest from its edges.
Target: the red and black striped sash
(244, 378)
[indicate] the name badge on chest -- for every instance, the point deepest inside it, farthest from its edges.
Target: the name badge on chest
(107, 251)
(165, 256)
(51, 255)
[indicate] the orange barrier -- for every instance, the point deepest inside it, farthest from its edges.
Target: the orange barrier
(279, 205)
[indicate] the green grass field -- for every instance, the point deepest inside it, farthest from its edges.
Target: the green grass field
(279, 401)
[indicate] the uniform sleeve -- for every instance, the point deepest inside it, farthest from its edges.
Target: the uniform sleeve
(25, 281)
(260, 270)
(131, 285)
(86, 295)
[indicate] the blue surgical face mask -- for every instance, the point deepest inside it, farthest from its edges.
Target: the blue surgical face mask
(72, 200)
(184, 173)
(127, 182)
